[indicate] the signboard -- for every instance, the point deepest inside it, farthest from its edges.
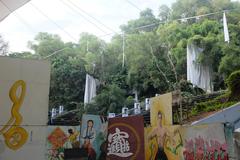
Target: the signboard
(126, 138)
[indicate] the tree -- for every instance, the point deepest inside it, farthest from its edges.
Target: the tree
(164, 13)
(146, 19)
(67, 69)
(3, 46)
(111, 99)
(45, 44)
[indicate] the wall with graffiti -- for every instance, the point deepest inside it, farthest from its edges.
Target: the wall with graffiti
(24, 90)
(60, 138)
(93, 136)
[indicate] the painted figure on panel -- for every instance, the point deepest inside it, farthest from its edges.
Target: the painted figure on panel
(73, 138)
(163, 137)
(160, 134)
(89, 135)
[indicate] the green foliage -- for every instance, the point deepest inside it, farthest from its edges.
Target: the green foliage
(233, 83)
(155, 57)
(3, 46)
(146, 18)
(110, 99)
(218, 103)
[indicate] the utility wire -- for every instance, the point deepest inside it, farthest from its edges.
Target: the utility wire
(57, 25)
(84, 17)
(19, 18)
(76, 6)
(132, 4)
(179, 19)
(55, 52)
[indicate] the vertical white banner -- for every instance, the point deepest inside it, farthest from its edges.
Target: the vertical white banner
(225, 28)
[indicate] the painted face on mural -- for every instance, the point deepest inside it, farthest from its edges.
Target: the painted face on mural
(90, 123)
(159, 118)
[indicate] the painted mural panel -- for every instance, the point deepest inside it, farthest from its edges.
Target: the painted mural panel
(151, 145)
(203, 142)
(33, 148)
(126, 138)
(24, 90)
(60, 138)
(161, 104)
(163, 142)
(93, 136)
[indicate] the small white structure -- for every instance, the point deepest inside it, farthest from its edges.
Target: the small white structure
(147, 104)
(61, 109)
(137, 108)
(111, 115)
(124, 112)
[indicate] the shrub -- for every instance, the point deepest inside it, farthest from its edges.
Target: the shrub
(233, 83)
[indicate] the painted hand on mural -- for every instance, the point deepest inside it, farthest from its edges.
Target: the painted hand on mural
(15, 136)
(174, 142)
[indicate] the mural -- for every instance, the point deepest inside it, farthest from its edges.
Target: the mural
(24, 89)
(60, 138)
(15, 136)
(164, 141)
(151, 144)
(161, 104)
(93, 136)
(204, 142)
(125, 138)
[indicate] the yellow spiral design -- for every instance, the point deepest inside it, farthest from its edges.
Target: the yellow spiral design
(15, 136)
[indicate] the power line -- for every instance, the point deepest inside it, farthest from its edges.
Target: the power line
(57, 25)
(132, 4)
(55, 52)
(75, 5)
(19, 17)
(179, 19)
(82, 15)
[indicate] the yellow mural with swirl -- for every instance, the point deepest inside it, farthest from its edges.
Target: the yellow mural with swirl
(14, 135)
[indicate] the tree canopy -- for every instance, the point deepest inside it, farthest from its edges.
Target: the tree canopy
(155, 55)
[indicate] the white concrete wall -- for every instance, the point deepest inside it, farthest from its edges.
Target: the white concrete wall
(34, 110)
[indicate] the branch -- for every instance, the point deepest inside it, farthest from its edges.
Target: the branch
(159, 69)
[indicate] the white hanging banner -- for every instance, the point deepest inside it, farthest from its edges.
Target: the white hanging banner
(90, 88)
(225, 28)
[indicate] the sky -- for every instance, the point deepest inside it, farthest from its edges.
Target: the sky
(69, 18)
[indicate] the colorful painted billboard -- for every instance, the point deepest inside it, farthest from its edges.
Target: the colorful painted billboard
(186, 143)
(126, 138)
(161, 104)
(93, 136)
(60, 138)
(24, 90)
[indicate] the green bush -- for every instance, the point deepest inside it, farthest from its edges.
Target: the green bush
(233, 83)
(217, 103)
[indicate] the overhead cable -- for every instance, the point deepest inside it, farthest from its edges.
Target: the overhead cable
(179, 19)
(132, 4)
(76, 6)
(84, 17)
(19, 17)
(57, 25)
